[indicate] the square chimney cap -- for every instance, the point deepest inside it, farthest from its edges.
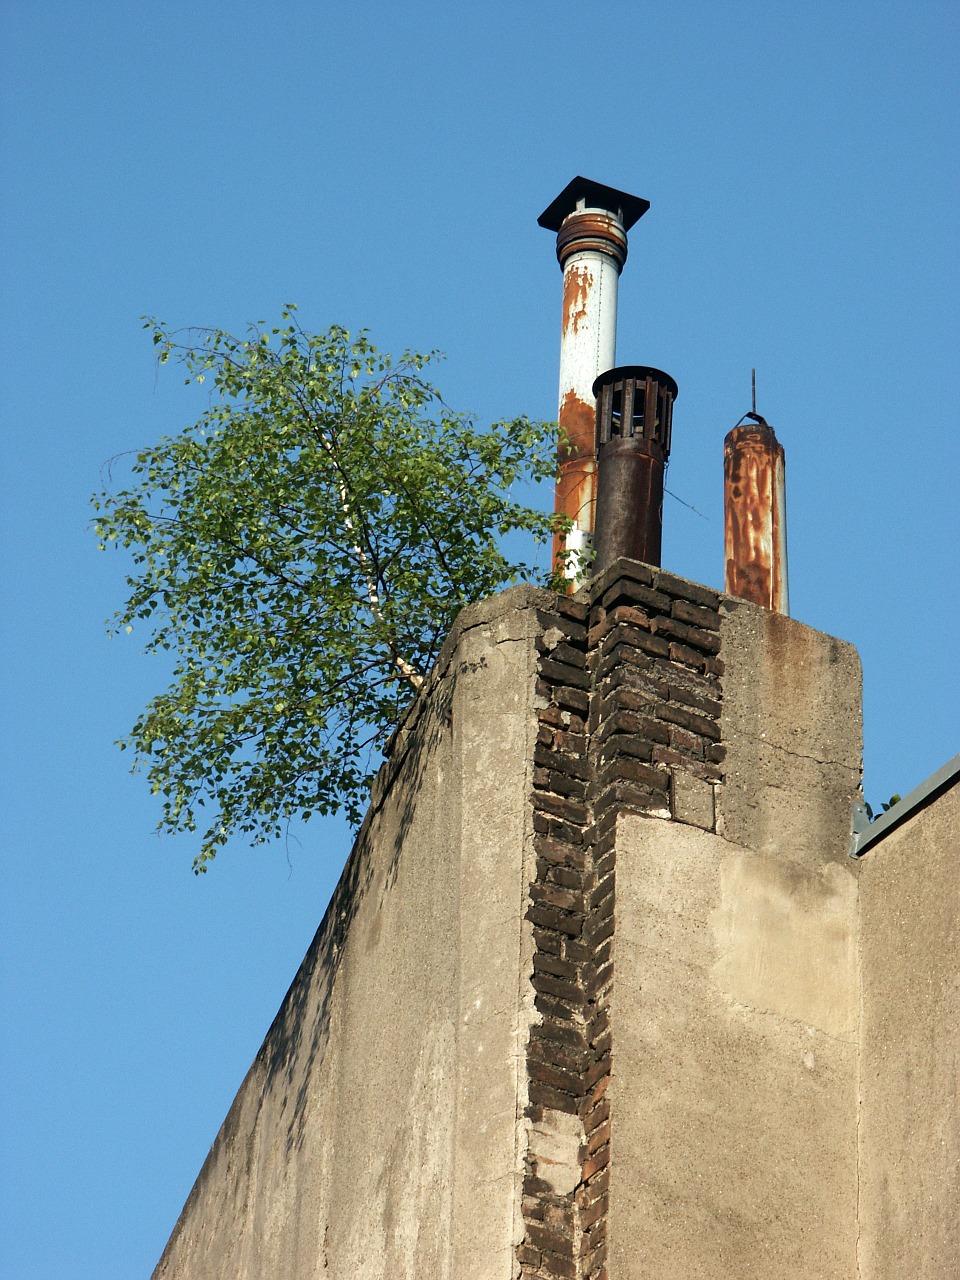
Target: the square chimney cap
(595, 196)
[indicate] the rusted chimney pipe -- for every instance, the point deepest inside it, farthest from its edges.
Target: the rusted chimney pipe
(591, 222)
(755, 515)
(634, 424)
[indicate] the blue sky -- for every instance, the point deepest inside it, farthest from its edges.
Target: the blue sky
(384, 166)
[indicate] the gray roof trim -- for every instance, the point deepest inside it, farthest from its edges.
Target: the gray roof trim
(920, 796)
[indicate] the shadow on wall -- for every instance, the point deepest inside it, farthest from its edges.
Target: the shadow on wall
(296, 1042)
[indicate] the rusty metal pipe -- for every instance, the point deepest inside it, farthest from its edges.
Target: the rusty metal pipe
(634, 424)
(629, 503)
(591, 222)
(755, 517)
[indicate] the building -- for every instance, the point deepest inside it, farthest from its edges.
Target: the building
(603, 990)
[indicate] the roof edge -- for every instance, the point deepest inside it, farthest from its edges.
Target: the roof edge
(897, 814)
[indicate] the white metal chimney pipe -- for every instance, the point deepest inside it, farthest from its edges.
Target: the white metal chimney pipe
(591, 222)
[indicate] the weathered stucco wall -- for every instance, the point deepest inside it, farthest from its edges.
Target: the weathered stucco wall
(910, 1028)
(734, 1081)
(601, 994)
(792, 724)
(376, 1134)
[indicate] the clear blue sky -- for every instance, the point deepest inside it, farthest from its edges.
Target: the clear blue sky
(383, 165)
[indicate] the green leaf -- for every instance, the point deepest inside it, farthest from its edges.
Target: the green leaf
(302, 551)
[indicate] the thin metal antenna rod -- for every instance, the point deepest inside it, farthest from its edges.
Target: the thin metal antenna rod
(753, 388)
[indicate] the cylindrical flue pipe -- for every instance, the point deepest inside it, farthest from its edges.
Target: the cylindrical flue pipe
(591, 222)
(755, 516)
(634, 422)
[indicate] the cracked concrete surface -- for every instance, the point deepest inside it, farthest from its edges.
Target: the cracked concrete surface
(735, 1070)
(373, 1136)
(792, 725)
(785, 1067)
(733, 1085)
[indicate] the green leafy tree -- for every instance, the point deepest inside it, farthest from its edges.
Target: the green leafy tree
(302, 550)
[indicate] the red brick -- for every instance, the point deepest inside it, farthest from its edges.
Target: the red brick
(559, 968)
(596, 1116)
(560, 852)
(635, 684)
(690, 657)
(600, 895)
(543, 982)
(695, 637)
(598, 1183)
(551, 716)
(627, 769)
(599, 1160)
(556, 895)
(683, 740)
(592, 1212)
(562, 784)
(556, 829)
(687, 719)
(548, 941)
(566, 876)
(561, 1011)
(564, 1032)
(681, 589)
(550, 918)
(558, 673)
(576, 610)
(708, 706)
(555, 1238)
(546, 1095)
(626, 744)
(571, 742)
(602, 929)
(635, 592)
(624, 795)
(560, 807)
(568, 654)
(577, 765)
(696, 615)
(556, 1077)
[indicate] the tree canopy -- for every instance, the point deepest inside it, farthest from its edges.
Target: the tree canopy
(302, 550)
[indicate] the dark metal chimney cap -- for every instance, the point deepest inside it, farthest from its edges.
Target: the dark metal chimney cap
(595, 196)
(639, 373)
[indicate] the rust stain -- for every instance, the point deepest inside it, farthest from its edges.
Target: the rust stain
(576, 290)
(578, 419)
(600, 232)
(575, 493)
(753, 530)
(576, 489)
(575, 496)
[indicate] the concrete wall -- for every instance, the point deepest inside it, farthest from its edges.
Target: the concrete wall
(734, 1083)
(601, 994)
(376, 1134)
(910, 1032)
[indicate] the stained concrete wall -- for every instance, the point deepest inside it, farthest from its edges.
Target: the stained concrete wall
(734, 1083)
(376, 1133)
(793, 728)
(910, 1026)
(782, 1083)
